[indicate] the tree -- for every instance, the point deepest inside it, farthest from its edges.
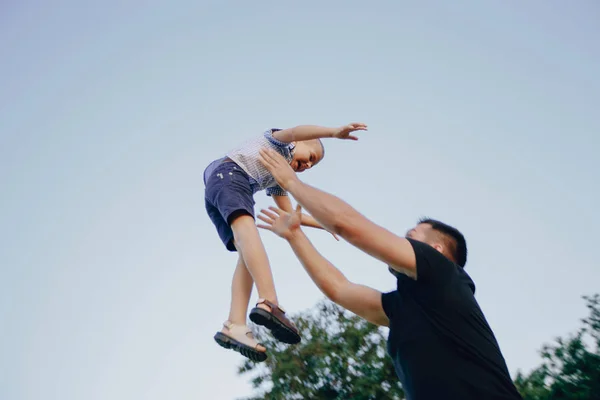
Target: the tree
(570, 367)
(341, 357)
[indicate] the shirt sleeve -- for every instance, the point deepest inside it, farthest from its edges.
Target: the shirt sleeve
(285, 149)
(389, 301)
(277, 143)
(432, 266)
(276, 191)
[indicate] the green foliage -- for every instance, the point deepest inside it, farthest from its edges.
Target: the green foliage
(570, 368)
(341, 357)
(344, 357)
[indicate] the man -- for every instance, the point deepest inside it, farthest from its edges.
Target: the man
(440, 342)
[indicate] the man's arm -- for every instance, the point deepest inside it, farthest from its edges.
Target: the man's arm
(309, 132)
(284, 203)
(359, 299)
(337, 216)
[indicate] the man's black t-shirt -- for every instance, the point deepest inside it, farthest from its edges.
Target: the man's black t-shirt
(440, 341)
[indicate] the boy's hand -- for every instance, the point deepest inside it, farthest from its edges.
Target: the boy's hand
(281, 223)
(278, 167)
(344, 131)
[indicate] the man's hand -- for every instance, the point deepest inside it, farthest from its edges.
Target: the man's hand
(278, 167)
(344, 131)
(281, 223)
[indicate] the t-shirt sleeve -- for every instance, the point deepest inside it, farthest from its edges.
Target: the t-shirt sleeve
(285, 149)
(389, 301)
(432, 266)
(276, 191)
(275, 142)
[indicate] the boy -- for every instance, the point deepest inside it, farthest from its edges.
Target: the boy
(230, 184)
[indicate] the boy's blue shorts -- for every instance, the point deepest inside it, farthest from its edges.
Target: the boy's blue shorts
(227, 195)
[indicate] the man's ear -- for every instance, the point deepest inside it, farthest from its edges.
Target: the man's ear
(439, 247)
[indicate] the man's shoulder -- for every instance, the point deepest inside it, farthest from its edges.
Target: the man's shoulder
(424, 250)
(434, 268)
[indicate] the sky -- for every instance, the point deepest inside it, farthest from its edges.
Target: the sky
(113, 280)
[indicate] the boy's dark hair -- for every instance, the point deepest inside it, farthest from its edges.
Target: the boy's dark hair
(454, 239)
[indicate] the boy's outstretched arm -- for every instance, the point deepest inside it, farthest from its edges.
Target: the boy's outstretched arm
(308, 132)
(283, 202)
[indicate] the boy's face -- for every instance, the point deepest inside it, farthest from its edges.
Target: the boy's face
(306, 155)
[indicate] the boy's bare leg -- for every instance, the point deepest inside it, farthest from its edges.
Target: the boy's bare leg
(269, 314)
(241, 289)
(252, 250)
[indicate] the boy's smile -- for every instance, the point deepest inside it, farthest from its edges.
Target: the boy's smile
(306, 155)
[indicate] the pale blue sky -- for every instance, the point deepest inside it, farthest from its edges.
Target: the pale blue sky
(113, 280)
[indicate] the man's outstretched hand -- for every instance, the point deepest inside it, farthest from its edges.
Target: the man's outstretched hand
(281, 223)
(278, 167)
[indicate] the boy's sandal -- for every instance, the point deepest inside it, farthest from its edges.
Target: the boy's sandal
(240, 339)
(275, 320)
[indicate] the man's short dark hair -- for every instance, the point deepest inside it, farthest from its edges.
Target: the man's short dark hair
(457, 245)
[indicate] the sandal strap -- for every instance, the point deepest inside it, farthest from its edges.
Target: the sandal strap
(235, 330)
(279, 313)
(229, 325)
(270, 304)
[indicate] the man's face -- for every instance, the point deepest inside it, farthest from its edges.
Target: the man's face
(420, 232)
(426, 234)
